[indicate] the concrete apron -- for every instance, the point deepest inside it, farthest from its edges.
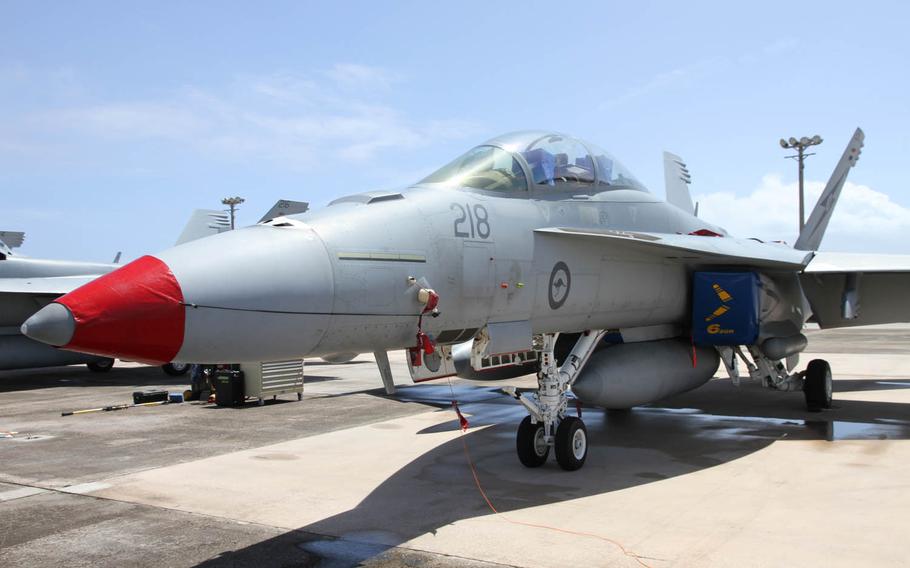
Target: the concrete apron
(734, 496)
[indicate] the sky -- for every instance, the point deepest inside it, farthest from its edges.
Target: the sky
(117, 119)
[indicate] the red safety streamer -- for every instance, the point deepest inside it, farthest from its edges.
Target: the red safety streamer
(461, 419)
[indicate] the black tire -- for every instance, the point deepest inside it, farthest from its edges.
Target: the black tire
(101, 366)
(176, 369)
(532, 450)
(818, 385)
(571, 443)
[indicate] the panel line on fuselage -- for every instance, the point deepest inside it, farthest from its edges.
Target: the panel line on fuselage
(290, 312)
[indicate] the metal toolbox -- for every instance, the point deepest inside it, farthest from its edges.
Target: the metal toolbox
(273, 378)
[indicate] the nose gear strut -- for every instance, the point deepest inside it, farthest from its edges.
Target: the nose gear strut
(547, 407)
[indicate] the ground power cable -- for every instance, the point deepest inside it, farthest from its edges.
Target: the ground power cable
(467, 453)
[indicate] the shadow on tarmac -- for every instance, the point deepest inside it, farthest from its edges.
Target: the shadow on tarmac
(713, 425)
(80, 376)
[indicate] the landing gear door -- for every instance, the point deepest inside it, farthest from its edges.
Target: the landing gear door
(436, 365)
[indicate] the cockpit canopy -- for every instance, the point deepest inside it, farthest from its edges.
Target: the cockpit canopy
(535, 161)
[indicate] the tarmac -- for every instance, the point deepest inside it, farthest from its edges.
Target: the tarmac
(719, 476)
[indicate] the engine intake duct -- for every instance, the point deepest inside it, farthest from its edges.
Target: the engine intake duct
(629, 374)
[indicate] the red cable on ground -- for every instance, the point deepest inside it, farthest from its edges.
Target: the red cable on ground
(467, 454)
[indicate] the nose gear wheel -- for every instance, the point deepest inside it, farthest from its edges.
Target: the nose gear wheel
(531, 443)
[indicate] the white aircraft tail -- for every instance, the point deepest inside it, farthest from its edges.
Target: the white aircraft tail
(811, 236)
(676, 181)
(284, 207)
(204, 222)
(12, 239)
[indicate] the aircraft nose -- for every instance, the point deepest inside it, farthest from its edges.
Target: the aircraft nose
(53, 324)
(135, 312)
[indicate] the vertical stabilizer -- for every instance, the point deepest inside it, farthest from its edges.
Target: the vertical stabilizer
(204, 222)
(811, 236)
(676, 181)
(285, 207)
(12, 239)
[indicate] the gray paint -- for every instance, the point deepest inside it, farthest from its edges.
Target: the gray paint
(345, 278)
(881, 298)
(53, 325)
(29, 284)
(777, 348)
(18, 352)
(630, 374)
(298, 288)
(676, 182)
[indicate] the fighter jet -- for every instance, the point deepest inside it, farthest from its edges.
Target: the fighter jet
(532, 251)
(29, 284)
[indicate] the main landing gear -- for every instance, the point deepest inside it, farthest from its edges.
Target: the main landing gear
(815, 382)
(548, 425)
(817, 385)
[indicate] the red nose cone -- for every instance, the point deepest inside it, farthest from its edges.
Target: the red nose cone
(135, 312)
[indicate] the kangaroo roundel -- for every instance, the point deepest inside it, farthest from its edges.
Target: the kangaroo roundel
(560, 283)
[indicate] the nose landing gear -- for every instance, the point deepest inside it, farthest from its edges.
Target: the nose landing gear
(548, 424)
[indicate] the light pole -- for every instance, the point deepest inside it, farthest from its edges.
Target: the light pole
(800, 146)
(232, 202)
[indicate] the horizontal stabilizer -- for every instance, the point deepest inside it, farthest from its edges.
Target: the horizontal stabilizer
(848, 289)
(676, 182)
(691, 249)
(12, 239)
(203, 223)
(285, 207)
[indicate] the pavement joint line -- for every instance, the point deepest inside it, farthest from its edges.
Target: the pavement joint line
(40, 491)
(430, 408)
(20, 493)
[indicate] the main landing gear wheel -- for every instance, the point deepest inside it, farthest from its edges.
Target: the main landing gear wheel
(531, 443)
(571, 443)
(818, 385)
(175, 369)
(101, 366)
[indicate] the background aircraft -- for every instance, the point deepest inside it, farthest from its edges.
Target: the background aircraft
(28, 284)
(527, 239)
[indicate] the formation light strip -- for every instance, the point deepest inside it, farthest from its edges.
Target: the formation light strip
(382, 256)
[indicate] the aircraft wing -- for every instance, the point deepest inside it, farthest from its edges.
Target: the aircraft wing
(56, 285)
(692, 249)
(848, 289)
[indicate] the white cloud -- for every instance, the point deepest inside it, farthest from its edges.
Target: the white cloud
(127, 120)
(781, 46)
(668, 79)
(343, 113)
(697, 71)
(352, 75)
(864, 220)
